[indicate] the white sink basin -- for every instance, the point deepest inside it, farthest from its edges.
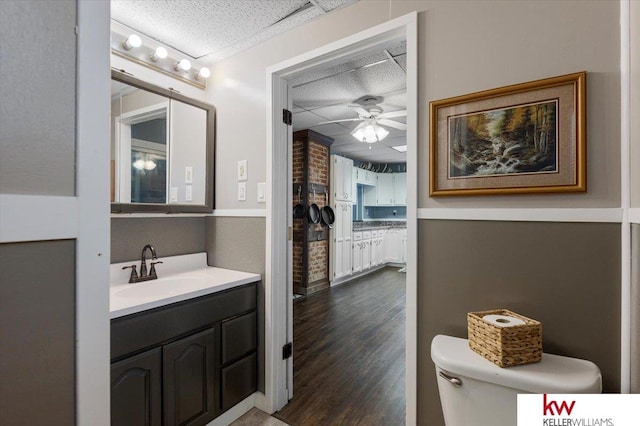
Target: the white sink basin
(167, 285)
(181, 278)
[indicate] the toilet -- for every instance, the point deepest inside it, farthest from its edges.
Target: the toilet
(476, 392)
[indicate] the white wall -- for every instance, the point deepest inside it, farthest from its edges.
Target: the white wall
(464, 46)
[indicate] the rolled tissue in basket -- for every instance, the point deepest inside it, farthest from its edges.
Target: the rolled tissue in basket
(503, 320)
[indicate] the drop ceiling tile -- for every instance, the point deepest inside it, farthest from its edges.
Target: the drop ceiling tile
(402, 61)
(215, 29)
(400, 49)
(335, 112)
(331, 130)
(305, 120)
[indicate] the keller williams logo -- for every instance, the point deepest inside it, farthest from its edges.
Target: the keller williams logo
(548, 407)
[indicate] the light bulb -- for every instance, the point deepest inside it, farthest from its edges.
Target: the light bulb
(159, 53)
(149, 165)
(203, 73)
(183, 65)
(132, 41)
(139, 164)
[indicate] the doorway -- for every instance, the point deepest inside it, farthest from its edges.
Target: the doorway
(278, 287)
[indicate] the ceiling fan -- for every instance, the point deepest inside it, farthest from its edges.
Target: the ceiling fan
(373, 118)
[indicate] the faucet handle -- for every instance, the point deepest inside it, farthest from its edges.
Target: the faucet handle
(152, 272)
(134, 274)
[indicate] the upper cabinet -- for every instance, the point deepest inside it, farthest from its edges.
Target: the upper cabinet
(162, 146)
(366, 177)
(390, 190)
(341, 178)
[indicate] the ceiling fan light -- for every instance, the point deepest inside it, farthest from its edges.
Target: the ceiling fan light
(370, 133)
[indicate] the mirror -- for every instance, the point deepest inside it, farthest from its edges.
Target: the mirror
(162, 149)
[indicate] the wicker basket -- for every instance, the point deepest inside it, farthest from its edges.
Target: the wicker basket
(505, 346)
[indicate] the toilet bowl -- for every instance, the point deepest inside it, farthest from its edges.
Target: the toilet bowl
(475, 392)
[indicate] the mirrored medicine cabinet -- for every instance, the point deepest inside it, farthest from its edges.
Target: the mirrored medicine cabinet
(162, 149)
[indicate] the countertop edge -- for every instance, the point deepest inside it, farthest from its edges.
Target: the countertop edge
(118, 313)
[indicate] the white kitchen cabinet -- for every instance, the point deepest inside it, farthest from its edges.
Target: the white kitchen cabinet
(390, 190)
(370, 196)
(378, 248)
(356, 253)
(341, 178)
(366, 250)
(400, 189)
(385, 189)
(393, 245)
(365, 177)
(341, 249)
(354, 184)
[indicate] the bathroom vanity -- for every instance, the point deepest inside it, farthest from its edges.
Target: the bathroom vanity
(183, 348)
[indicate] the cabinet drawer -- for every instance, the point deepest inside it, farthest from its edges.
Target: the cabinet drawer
(238, 381)
(239, 336)
(374, 234)
(357, 236)
(161, 325)
(366, 235)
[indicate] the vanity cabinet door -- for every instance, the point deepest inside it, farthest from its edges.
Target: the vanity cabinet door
(136, 390)
(189, 379)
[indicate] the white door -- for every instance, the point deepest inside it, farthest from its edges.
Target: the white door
(347, 177)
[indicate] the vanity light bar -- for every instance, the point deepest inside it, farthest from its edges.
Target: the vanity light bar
(148, 52)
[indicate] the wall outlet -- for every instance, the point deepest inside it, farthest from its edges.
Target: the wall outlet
(173, 194)
(188, 175)
(188, 193)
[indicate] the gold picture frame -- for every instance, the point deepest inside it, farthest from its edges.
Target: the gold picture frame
(521, 139)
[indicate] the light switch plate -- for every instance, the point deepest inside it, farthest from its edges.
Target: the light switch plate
(262, 188)
(173, 194)
(188, 175)
(242, 170)
(188, 193)
(242, 191)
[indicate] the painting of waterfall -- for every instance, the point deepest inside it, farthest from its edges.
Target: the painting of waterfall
(520, 139)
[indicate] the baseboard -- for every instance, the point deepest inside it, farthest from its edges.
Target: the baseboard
(235, 412)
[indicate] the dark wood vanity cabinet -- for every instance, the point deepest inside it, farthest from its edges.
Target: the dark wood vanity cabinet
(185, 363)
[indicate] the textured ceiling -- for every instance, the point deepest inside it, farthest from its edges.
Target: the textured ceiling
(326, 94)
(211, 30)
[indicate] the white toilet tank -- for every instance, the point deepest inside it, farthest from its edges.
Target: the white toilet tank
(475, 392)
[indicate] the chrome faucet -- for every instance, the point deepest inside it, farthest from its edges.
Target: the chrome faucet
(135, 278)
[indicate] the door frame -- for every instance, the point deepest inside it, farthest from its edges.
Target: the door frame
(278, 303)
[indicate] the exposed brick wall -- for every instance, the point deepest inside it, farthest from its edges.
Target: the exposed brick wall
(298, 176)
(317, 252)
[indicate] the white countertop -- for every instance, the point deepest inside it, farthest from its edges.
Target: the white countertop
(180, 278)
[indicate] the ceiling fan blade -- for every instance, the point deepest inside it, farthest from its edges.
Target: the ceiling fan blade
(339, 121)
(360, 110)
(394, 124)
(393, 114)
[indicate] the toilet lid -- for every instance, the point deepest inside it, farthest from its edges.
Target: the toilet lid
(553, 374)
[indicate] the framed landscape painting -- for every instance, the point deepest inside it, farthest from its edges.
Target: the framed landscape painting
(525, 138)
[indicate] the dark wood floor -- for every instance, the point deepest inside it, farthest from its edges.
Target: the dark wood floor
(349, 349)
